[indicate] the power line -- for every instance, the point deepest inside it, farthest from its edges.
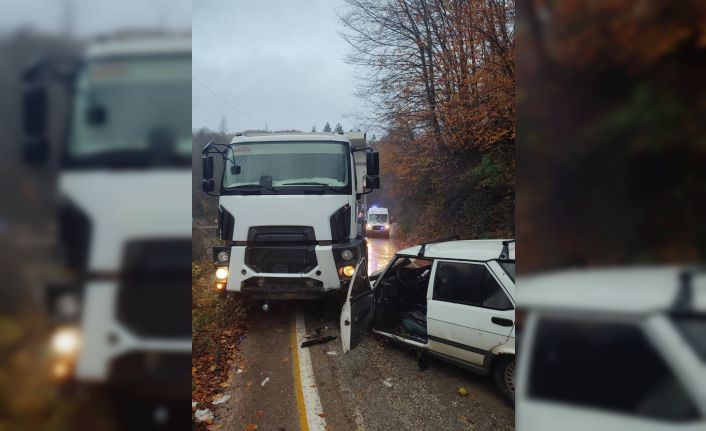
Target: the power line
(224, 100)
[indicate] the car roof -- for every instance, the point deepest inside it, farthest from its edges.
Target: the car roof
(483, 249)
(623, 290)
(288, 137)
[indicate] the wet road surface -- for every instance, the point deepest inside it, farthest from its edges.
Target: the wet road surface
(377, 386)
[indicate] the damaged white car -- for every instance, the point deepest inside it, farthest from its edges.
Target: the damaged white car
(454, 300)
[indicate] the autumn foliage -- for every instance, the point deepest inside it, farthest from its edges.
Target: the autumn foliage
(440, 78)
(611, 115)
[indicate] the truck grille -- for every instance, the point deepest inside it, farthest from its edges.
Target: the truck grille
(154, 297)
(281, 249)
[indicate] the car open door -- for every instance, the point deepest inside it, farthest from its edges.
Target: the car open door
(358, 308)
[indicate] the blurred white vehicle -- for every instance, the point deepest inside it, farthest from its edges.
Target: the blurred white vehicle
(454, 300)
(378, 222)
(124, 180)
(612, 349)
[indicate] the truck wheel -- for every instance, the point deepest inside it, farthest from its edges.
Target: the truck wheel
(504, 375)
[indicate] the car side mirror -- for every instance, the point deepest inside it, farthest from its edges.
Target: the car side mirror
(372, 182)
(35, 103)
(373, 163)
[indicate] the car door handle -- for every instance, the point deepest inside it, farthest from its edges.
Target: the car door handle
(502, 322)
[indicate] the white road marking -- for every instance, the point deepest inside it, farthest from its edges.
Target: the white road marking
(312, 401)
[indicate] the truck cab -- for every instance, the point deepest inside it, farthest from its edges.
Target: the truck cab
(287, 212)
(121, 307)
(378, 222)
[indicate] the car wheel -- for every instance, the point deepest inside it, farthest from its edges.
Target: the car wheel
(504, 375)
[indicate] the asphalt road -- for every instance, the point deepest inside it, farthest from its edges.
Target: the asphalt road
(377, 386)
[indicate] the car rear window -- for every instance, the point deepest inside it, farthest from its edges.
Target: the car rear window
(607, 366)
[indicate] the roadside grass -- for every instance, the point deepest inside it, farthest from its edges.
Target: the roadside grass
(217, 327)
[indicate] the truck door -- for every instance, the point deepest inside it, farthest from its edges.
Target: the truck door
(358, 308)
(468, 311)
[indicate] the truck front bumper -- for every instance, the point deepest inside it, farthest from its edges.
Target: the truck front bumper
(321, 277)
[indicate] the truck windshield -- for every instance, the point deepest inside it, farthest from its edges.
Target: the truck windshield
(132, 112)
(377, 218)
(288, 167)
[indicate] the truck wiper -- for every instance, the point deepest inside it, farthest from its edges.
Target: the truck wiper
(312, 183)
(254, 186)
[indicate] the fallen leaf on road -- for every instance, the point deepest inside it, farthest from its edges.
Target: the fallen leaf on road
(259, 414)
(248, 384)
(204, 415)
(462, 391)
(251, 427)
(322, 415)
(264, 382)
(213, 368)
(221, 399)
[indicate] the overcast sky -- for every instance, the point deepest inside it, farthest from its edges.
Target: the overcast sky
(279, 63)
(89, 17)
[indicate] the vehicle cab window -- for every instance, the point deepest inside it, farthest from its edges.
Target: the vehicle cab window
(469, 284)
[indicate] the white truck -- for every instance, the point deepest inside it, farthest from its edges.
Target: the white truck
(122, 308)
(378, 222)
(287, 212)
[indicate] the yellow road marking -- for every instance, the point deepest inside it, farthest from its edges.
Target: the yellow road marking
(301, 407)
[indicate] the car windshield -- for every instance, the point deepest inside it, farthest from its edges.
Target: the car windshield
(288, 166)
(132, 112)
(377, 218)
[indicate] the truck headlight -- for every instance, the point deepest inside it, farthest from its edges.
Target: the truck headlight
(347, 255)
(387, 226)
(222, 273)
(370, 225)
(223, 256)
(66, 341)
(348, 270)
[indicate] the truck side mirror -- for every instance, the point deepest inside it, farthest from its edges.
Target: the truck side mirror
(373, 163)
(207, 184)
(372, 182)
(207, 170)
(35, 104)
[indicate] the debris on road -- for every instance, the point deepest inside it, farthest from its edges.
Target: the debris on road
(239, 371)
(221, 399)
(462, 391)
(264, 382)
(320, 340)
(193, 405)
(204, 415)
(387, 382)
(332, 353)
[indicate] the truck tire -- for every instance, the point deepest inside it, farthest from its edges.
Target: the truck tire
(504, 376)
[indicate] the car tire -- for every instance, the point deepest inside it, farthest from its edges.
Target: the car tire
(504, 376)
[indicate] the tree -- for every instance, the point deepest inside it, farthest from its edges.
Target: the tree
(439, 75)
(223, 126)
(327, 128)
(338, 128)
(313, 128)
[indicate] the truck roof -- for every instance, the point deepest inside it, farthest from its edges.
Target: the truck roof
(621, 290)
(128, 45)
(377, 211)
(356, 139)
(485, 249)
